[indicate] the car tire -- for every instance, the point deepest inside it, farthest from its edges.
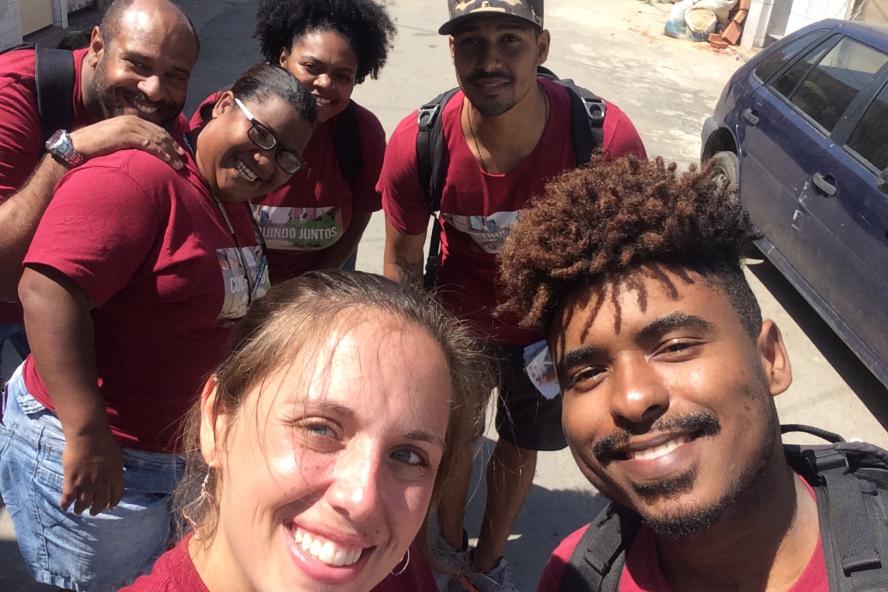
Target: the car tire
(726, 170)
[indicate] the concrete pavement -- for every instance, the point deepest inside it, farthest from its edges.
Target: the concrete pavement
(667, 87)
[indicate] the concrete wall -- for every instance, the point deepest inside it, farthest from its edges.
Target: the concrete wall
(805, 12)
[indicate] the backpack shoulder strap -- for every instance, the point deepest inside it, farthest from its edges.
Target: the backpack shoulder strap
(55, 87)
(851, 483)
(431, 165)
(347, 143)
(597, 561)
(587, 112)
(431, 152)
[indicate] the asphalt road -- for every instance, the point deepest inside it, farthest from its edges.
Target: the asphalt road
(667, 87)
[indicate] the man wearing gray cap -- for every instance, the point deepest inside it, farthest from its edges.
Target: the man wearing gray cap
(494, 142)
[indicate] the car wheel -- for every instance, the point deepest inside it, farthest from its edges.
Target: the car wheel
(725, 170)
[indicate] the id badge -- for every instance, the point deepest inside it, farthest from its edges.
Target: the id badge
(540, 369)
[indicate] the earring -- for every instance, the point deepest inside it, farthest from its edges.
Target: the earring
(406, 563)
(203, 485)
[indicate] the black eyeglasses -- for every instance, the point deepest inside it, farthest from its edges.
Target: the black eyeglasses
(265, 139)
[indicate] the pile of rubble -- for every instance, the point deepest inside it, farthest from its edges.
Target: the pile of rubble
(720, 22)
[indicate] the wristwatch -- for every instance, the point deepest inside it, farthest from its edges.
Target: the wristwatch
(60, 146)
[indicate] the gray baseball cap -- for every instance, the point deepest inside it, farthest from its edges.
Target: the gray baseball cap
(460, 10)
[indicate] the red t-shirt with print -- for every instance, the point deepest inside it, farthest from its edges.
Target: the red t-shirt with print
(314, 209)
(21, 135)
(175, 572)
(642, 573)
(150, 249)
(478, 209)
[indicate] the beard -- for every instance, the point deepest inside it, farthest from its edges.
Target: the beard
(682, 522)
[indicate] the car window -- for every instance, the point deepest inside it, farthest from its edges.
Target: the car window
(834, 82)
(870, 137)
(790, 79)
(775, 61)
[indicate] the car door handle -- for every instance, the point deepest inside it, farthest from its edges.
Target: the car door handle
(750, 116)
(825, 184)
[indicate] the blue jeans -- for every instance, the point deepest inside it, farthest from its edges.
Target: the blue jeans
(61, 548)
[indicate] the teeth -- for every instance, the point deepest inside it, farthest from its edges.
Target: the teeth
(244, 170)
(658, 451)
(143, 105)
(324, 550)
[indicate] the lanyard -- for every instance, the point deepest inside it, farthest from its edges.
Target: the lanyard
(254, 283)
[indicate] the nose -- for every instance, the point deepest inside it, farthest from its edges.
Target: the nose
(639, 395)
(490, 57)
(356, 481)
(323, 81)
(150, 86)
(265, 162)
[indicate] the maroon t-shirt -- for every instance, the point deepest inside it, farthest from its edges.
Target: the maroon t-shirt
(152, 252)
(478, 209)
(642, 573)
(175, 572)
(312, 211)
(21, 135)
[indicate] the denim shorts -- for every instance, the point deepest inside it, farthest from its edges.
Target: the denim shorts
(61, 548)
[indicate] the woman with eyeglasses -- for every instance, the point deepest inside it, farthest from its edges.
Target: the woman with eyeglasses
(317, 219)
(132, 284)
(313, 457)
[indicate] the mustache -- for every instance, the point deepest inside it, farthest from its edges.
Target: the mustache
(703, 423)
(479, 76)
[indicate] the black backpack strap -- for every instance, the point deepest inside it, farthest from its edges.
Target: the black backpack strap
(851, 482)
(598, 559)
(347, 143)
(55, 89)
(587, 111)
(431, 164)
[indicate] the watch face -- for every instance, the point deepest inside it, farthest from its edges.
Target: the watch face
(55, 139)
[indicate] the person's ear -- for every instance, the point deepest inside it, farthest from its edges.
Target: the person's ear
(223, 103)
(96, 47)
(543, 41)
(774, 359)
(213, 423)
(285, 55)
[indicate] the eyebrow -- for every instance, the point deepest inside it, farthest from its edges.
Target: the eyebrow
(581, 355)
(673, 321)
(654, 330)
(348, 413)
(129, 54)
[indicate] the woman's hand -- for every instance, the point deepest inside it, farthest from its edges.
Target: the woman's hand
(127, 131)
(92, 471)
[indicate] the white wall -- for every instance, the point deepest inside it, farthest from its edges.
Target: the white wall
(805, 12)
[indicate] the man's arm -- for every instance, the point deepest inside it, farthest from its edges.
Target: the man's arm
(21, 212)
(403, 259)
(345, 247)
(60, 331)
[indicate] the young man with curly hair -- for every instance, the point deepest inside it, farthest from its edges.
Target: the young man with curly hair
(506, 131)
(668, 375)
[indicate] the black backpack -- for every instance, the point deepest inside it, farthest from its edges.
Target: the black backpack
(55, 86)
(587, 121)
(851, 483)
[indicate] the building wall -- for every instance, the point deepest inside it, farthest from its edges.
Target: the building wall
(805, 12)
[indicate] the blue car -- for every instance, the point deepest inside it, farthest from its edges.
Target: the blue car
(802, 129)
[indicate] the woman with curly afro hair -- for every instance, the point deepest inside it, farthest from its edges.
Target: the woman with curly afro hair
(317, 219)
